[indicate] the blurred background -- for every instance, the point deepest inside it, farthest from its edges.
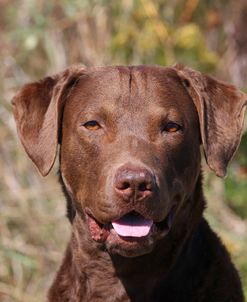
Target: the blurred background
(38, 38)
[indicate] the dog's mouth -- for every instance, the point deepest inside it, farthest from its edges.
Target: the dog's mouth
(131, 227)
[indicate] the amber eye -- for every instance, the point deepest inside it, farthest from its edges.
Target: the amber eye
(172, 127)
(92, 125)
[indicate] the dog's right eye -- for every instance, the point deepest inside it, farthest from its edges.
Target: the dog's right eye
(171, 127)
(92, 125)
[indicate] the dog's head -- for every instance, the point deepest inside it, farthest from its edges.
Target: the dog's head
(130, 144)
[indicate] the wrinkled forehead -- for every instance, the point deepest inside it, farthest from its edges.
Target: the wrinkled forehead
(135, 88)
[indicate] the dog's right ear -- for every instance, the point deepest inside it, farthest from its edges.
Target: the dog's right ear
(220, 107)
(38, 110)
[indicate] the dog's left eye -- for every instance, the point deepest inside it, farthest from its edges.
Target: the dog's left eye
(171, 127)
(92, 125)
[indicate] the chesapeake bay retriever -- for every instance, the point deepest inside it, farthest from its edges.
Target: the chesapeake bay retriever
(130, 169)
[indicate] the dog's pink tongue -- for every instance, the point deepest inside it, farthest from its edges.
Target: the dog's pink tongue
(132, 226)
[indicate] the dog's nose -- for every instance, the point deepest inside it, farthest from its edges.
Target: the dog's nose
(134, 184)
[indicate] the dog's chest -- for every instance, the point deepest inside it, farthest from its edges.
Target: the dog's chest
(100, 284)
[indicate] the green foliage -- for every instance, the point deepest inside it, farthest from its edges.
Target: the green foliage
(151, 35)
(236, 194)
(236, 183)
(191, 48)
(241, 156)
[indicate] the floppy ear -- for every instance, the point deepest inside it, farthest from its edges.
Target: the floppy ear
(220, 108)
(38, 110)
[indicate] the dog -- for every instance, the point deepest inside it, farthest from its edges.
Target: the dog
(130, 169)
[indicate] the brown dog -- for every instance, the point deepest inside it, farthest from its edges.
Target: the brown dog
(130, 169)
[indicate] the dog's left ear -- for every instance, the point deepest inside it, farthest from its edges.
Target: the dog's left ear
(220, 108)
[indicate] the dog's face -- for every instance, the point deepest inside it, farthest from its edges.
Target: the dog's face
(129, 153)
(130, 144)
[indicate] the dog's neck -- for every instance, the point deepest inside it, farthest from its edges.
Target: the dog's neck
(90, 258)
